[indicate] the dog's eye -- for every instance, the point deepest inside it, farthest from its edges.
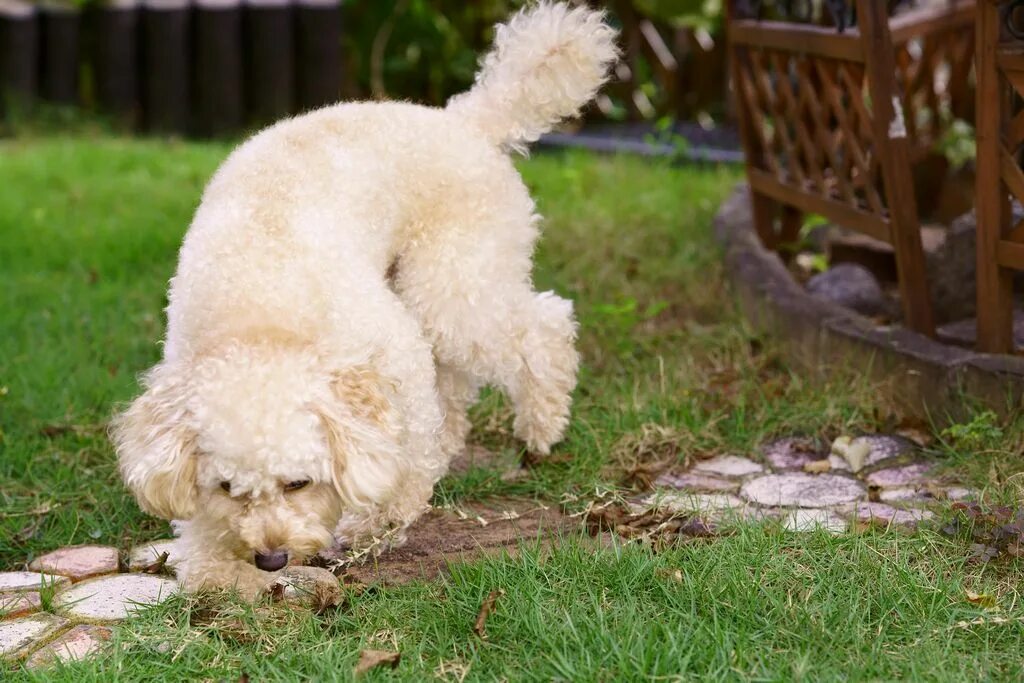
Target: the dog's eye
(296, 485)
(226, 485)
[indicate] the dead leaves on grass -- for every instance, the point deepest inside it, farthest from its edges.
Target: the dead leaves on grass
(480, 627)
(639, 457)
(656, 527)
(371, 659)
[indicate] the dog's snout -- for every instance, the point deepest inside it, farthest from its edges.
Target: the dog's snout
(271, 562)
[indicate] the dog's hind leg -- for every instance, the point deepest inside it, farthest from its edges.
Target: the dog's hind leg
(471, 291)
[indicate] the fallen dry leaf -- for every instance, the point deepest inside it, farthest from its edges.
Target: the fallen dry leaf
(818, 466)
(479, 627)
(157, 565)
(371, 659)
(981, 599)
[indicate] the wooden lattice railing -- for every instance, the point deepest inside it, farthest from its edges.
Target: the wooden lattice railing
(832, 121)
(1000, 133)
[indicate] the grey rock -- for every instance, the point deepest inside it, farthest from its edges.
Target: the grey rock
(852, 286)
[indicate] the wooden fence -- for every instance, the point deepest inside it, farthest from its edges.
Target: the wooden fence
(203, 67)
(1000, 132)
(832, 121)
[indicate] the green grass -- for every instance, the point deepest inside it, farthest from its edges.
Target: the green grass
(89, 230)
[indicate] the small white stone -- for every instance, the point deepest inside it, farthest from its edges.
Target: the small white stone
(113, 598)
(19, 636)
(144, 555)
(310, 586)
(955, 493)
(838, 464)
(799, 489)
(813, 519)
(729, 466)
(28, 581)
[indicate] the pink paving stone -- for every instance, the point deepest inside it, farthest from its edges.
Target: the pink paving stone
(695, 481)
(798, 489)
(77, 644)
(906, 475)
(19, 604)
(729, 466)
(904, 494)
(28, 581)
(883, 515)
(78, 562)
(19, 636)
(791, 453)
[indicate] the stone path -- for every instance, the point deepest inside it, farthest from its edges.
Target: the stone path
(53, 612)
(873, 480)
(69, 603)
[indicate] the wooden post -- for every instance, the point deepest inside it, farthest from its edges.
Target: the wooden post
(114, 26)
(318, 62)
(19, 52)
(995, 284)
(217, 72)
(763, 209)
(892, 147)
(166, 66)
(269, 60)
(60, 41)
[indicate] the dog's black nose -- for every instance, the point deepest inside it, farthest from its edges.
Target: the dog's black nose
(271, 562)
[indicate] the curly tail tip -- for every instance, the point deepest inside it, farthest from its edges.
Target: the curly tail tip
(546, 63)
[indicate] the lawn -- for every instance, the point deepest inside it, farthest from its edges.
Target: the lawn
(89, 229)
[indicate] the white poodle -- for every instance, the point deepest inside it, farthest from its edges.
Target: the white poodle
(349, 281)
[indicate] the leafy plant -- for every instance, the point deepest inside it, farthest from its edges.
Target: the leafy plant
(977, 434)
(958, 143)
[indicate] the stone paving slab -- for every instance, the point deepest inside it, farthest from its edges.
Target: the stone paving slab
(884, 515)
(78, 562)
(113, 598)
(729, 466)
(814, 519)
(19, 604)
(915, 473)
(697, 481)
(799, 489)
(74, 645)
(19, 636)
(28, 581)
(144, 555)
(791, 453)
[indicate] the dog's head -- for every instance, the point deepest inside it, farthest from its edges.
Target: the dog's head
(265, 446)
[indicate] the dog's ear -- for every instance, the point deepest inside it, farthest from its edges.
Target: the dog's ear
(156, 448)
(363, 433)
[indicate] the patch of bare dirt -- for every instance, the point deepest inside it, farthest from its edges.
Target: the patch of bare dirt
(442, 536)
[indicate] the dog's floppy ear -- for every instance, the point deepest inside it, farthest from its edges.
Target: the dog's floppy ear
(363, 433)
(156, 448)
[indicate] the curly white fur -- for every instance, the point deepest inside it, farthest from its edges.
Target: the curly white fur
(291, 357)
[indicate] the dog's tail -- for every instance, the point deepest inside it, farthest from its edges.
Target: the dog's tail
(547, 62)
